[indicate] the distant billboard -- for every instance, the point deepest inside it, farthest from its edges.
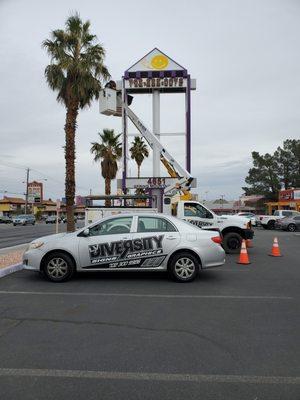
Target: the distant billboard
(35, 192)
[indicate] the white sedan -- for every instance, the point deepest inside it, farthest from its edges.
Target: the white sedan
(250, 216)
(136, 242)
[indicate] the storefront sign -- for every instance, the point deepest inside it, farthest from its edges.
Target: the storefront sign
(286, 195)
(296, 194)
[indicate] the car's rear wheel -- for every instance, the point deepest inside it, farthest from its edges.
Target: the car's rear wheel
(232, 243)
(291, 227)
(58, 267)
(183, 267)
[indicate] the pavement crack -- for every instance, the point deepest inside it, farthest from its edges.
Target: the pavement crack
(4, 331)
(198, 336)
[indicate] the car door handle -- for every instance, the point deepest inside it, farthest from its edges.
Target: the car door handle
(171, 237)
(125, 237)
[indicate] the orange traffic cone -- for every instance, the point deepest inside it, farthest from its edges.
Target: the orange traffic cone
(249, 243)
(243, 259)
(275, 249)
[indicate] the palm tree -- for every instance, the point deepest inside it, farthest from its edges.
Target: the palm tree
(109, 151)
(75, 72)
(139, 151)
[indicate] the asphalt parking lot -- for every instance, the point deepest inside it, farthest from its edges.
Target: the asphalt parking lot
(231, 334)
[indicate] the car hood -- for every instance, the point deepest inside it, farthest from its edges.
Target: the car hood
(50, 238)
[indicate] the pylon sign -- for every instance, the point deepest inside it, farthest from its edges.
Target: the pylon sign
(156, 70)
(157, 73)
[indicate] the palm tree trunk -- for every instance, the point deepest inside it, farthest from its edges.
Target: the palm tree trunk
(107, 191)
(70, 129)
(139, 170)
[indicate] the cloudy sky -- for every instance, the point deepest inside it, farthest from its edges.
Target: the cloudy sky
(243, 53)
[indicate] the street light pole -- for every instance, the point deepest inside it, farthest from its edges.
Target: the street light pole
(26, 193)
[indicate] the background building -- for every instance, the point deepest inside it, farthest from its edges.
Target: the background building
(287, 200)
(12, 205)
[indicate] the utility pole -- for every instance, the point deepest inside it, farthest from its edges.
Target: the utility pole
(222, 202)
(26, 193)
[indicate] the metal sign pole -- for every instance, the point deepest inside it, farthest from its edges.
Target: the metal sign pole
(156, 130)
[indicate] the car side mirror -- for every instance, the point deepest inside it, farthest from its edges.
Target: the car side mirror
(86, 232)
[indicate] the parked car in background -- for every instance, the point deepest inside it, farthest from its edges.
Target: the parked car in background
(52, 219)
(64, 220)
(5, 220)
(268, 221)
(290, 224)
(135, 242)
(251, 216)
(24, 219)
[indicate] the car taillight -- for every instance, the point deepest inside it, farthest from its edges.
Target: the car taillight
(217, 239)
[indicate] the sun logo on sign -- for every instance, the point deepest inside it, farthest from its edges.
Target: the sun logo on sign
(159, 61)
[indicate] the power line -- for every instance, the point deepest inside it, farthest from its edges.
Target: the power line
(19, 166)
(8, 192)
(12, 165)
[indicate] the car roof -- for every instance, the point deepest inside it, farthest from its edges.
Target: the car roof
(176, 221)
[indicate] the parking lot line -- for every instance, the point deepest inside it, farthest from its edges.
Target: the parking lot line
(141, 376)
(153, 295)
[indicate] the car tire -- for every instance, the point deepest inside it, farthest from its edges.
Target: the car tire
(271, 225)
(291, 228)
(183, 267)
(58, 267)
(232, 243)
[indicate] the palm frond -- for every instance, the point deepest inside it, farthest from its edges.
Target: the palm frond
(79, 59)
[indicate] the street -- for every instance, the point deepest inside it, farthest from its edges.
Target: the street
(14, 235)
(231, 334)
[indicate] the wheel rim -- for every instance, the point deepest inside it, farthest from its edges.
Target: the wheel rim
(57, 268)
(292, 228)
(234, 244)
(184, 267)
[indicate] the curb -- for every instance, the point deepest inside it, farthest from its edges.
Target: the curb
(12, 248)
(10, 269)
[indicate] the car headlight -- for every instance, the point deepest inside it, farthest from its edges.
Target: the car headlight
(35, 245)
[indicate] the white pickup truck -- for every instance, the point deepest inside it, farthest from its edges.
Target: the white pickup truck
(268, 221)
(233, 228)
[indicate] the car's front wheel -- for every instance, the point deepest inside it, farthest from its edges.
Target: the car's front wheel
(58, 267)
(183, 267)
(291, 227)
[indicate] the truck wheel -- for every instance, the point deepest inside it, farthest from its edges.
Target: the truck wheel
(232, 243)
(271, 225)
(183, 267)
(58, 267)
(291, 227)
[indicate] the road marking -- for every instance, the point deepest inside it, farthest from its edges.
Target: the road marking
(164, 296)
(140, 376)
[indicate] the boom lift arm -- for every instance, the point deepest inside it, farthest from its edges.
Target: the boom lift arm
(173, 167)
